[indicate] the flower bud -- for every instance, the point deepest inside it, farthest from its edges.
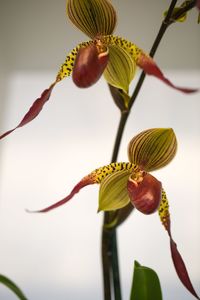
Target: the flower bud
(89, 66)
(145, 194)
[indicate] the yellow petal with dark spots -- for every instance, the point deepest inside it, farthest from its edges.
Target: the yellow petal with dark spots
(144, 61)
(163, 211)
(133, 50)
(153, 148)
(178, 261)
(67, 67)
(93, 17)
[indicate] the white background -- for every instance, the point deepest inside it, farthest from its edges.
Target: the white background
(57, 255)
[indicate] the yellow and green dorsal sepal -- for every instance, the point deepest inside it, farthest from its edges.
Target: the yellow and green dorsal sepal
(153, 148)
(93, 17)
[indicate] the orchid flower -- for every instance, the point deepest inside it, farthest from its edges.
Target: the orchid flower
(122, 183)
(113, 56)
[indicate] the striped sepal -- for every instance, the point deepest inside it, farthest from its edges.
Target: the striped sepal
(153, 148)
(93, 17)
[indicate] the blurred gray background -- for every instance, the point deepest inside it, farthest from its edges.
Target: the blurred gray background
(57, 255)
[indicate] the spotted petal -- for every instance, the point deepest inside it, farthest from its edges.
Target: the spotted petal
(179, 264)
(96, 176)
(67, 67)
(37, 106)
(153, 148)
(93, 17)
(120, 69)
(144, 61)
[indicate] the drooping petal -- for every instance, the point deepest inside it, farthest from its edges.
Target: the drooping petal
(89, 66)
(37, 106)
(144, 61)
(94, 177)
(120, 69)
(93, 17)
(153, 148)
(149, 66)
(87, 180)
(145, 194)
(34, 110)
(179, 264)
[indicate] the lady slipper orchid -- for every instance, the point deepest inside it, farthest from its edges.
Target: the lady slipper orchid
(113, 56)
(125, 182)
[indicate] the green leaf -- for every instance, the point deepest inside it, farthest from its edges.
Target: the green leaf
(120, 69)
(153, 148)
(12, 286)
(146, 284)
(113, 193)
(93, 17)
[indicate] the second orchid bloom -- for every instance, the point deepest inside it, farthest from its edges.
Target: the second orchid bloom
(122, 183)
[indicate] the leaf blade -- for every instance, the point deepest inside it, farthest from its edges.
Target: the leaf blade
(13, 287)
(146, 284)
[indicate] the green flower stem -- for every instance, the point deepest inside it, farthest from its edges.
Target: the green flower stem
(110, 262)
(106, 260)
(109, 237)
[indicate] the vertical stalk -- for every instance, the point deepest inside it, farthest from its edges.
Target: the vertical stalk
(109, 236)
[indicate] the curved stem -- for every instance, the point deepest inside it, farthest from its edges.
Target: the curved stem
(122, 123)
